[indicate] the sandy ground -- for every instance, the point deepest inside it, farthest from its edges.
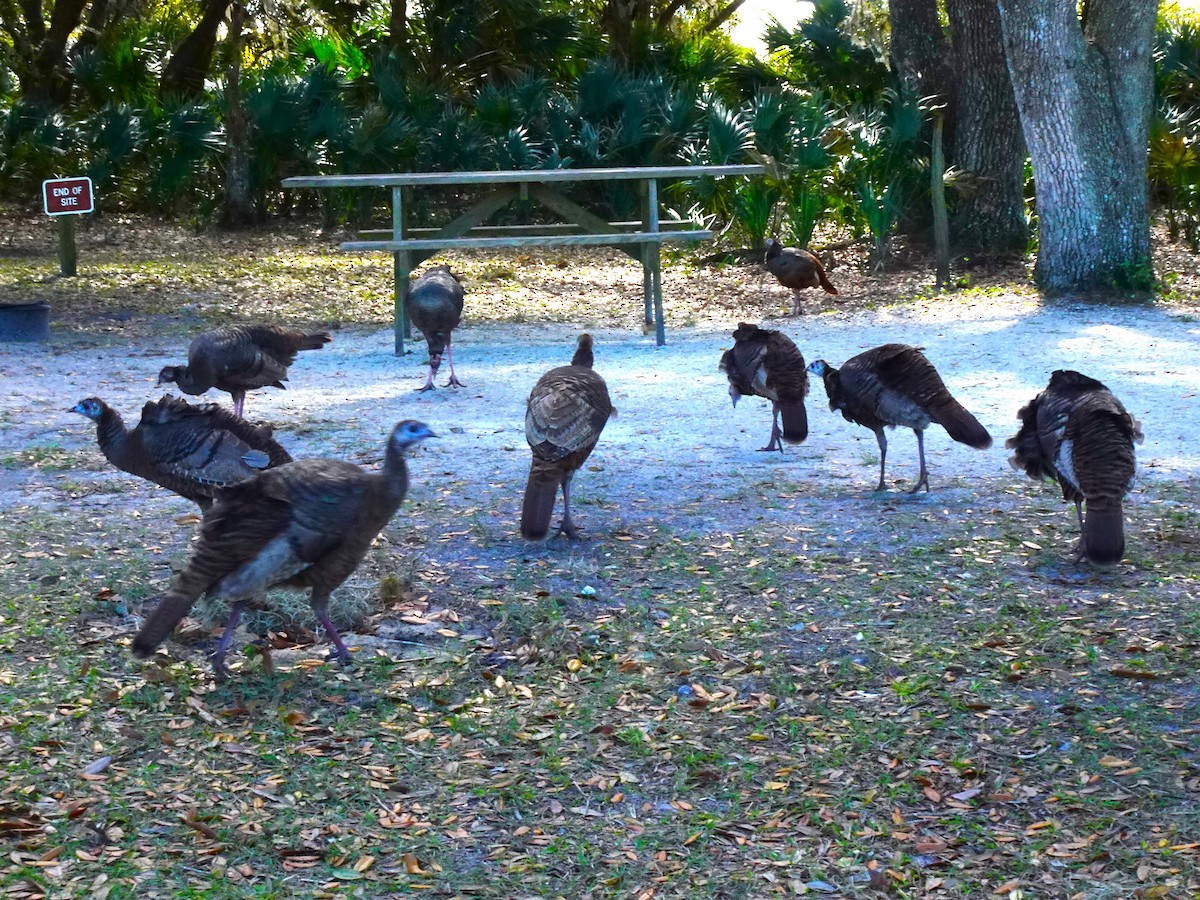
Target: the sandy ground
(677, 448)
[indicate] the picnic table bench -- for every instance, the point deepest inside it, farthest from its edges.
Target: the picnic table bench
(641, 240)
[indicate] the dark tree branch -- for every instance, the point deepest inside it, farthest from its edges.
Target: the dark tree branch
(722, 16)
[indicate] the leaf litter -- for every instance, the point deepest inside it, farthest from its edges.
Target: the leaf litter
(780, 684)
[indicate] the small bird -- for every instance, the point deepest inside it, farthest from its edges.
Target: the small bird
(306, 524)
(193, 450)
(796, 269)
(1078, 433)
(567, 410)
(767, 363)
(240, 359)
(895, 384)
(434, 305)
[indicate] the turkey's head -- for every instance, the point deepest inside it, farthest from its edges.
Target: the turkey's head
(92, 407)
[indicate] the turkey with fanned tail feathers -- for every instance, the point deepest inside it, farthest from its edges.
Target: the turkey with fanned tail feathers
(193, 450)
(240, 359)
(306, 524)
(767, 363)
(567, 410)
(896, 385)
(1077, 433)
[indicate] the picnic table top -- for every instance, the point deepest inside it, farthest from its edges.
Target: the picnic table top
(513, 176)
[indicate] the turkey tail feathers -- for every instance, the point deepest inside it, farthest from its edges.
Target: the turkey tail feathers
(538, 507)
(960, 424)
(315, 341)
(162, 622)
(826, 284)
(1103, 531)
(795, 421)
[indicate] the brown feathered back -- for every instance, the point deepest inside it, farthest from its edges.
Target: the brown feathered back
(193, 450)
(567, 410)
(895, 384)
(767, 363)
(305, 524)
(1077, 432)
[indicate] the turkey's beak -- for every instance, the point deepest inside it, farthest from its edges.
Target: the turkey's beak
(734, 395)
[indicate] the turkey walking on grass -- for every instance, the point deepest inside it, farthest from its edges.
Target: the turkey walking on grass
(306, 524)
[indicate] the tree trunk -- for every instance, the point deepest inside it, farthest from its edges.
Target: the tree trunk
(1084, 102)
(922, 57)
(49, 81)
(990, 150)
(192, 60)
(239, 200)
(398, 28)
(620, 19)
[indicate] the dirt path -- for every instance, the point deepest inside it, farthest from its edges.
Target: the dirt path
(677, 448)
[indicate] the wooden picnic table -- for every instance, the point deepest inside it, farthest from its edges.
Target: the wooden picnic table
(580, 226)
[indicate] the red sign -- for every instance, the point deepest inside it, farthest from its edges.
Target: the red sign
(67, 196)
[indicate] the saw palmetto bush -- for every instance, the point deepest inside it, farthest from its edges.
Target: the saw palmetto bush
(1174, 161)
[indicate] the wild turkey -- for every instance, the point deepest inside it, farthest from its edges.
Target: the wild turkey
(1077, 432)
(191, 450)
(766, 363)
(796, 269)
(241, 359)
(434, 305)
(896, 385)
(307, 524)
(567, 410)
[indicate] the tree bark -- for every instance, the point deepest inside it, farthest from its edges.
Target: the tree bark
(620, 18)
(398, 28)
(989, 149)
(239, 201)
(192, 60)
(1084, 102)
(49, 81)
(923, 58)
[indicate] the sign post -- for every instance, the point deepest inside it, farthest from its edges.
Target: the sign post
(66, 198)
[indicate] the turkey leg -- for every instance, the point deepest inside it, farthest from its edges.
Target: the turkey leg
(320, 603)
(923, 478)
(450, 359)
(218, 655)
(567, 527)
(774, 443)
(882, 439)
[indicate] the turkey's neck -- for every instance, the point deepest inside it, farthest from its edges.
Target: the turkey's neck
(583, 357)
(395, 475)
(110, 432)
(833, 388)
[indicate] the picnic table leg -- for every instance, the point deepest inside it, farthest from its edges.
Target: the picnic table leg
(660, 328)
(647, 290)
(402, 267)
(652, 261)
